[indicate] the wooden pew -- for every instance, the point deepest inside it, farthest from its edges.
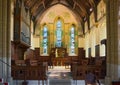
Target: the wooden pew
(30, 73)
(79, 69)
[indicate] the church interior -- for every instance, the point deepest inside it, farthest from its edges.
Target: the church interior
(39, 36)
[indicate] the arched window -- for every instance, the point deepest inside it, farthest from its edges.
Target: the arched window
(45, 40)
(59, 33)
(72, 40)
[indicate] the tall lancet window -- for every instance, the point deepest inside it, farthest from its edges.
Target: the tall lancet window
(72, 40)
(59, 33)
(45, 40)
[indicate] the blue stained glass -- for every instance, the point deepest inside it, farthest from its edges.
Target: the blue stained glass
(72, 40)
(59, 24)
(45, 40)
(59, 34)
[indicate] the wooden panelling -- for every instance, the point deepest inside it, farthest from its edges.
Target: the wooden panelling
(81, 53)
(17, 51)
(29, 54)
(27, 72)
(37, 52)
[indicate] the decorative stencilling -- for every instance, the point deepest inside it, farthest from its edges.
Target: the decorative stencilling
(52, 14)
(66, 15)
(101, 9)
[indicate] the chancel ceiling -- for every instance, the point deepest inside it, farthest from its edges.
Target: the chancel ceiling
(61, 11)
(82, 8)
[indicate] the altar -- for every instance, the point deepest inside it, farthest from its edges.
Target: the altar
(58, 56)
(58, 52)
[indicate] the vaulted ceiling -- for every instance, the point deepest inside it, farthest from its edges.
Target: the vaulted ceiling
(82, 8)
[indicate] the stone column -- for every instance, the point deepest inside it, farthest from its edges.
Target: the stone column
(112, 42)
(8, 35)
(118, 22)
(1, 66)
(4, 37)
(3, 24)
(5, 40)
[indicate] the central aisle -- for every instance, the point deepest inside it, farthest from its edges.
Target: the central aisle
(59, 72)
(59, 76)
(56, 76)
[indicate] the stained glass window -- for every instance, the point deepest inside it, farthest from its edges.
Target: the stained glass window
(72, 40)
(45, 40)
(59, 33)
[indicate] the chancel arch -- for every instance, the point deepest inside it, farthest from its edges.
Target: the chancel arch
(58, 23)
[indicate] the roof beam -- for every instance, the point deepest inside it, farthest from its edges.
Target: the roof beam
(29, 3)
(33, 4)
(74, 5)
(92, 2)
(38, 10)
(43, 4)
(38, 3)
(81, 7)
